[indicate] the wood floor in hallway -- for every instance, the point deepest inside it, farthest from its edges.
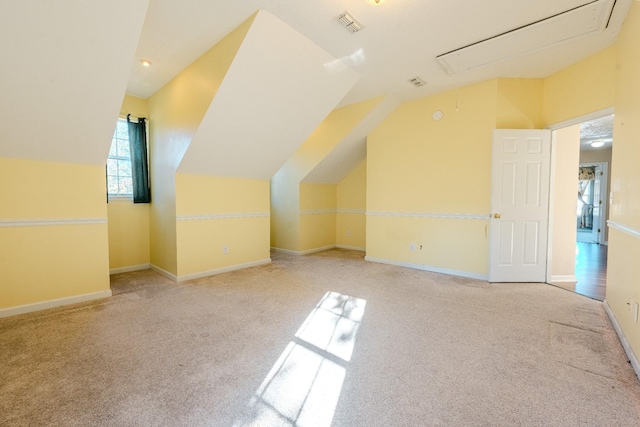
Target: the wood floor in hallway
(591, 271)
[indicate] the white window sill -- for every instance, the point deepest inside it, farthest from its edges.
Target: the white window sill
(115, 198)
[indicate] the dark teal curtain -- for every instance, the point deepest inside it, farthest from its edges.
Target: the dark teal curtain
(139, 162)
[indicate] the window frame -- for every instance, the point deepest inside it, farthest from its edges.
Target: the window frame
(117, 196)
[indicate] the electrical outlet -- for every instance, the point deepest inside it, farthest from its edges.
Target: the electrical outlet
(348, 233)
(412, 247)
(225, 249)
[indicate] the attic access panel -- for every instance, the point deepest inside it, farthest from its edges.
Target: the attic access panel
(574, 23)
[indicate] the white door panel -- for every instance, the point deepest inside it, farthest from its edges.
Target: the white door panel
(520, 205)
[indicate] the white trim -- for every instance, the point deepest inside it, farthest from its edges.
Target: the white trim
(50, 222)
(305, 252)
(285, 251)
(563, 279)
(165, 273)
(314, 250)
(584, 118)
(428, 268)
(552, 195)
(429, 215)
(223, 216)
(625, 229)
(129, 268)
(120, 197)
(623, 340)
(29, 308)
(351, 211)
(604, 184)
(223, 270)
(318, 211)
(351, 248)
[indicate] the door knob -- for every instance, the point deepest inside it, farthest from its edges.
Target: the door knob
(496, 216)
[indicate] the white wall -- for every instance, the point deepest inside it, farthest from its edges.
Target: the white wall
(566, 155)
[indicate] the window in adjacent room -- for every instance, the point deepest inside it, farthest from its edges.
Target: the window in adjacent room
(119, 180)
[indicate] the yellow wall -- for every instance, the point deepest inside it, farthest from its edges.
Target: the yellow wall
(623, 268)
(128, 234)
(63, 255)
(129, 222)
(351, 204)
(419, 169)
(285, 197)
(215, 212)
(176, 111)
(582, 88)
(566, 146)
(317, 216)
(519, 104)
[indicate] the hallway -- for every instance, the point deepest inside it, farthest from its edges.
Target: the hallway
(591, 270)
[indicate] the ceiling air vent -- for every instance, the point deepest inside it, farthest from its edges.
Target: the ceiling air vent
(417, 82)
(349, 22)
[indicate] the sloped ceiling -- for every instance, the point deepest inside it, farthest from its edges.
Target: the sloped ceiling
(279, 87)
(401, 39)
(65, 67)
(353, 148)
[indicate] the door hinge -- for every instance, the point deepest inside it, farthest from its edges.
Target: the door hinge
(598, 230)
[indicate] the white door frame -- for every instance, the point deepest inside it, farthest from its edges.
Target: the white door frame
(603, 196)
(552, 183)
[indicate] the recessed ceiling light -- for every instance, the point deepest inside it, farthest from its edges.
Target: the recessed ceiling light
(597, 144)
(145, 62)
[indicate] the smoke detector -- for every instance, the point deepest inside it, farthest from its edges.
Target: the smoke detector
(349, 22)
(417, 82)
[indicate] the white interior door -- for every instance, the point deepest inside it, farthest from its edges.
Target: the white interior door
(520, 205)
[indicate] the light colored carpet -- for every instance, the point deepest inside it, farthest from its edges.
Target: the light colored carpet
(238, 349)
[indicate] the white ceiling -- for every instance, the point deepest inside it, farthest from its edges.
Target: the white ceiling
(262, 111)
(64, 68)
(400, 39)
(596, 130)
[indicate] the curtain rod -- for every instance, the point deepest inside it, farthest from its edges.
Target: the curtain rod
(132, 117)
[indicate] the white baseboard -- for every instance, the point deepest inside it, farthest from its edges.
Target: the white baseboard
(351, 248)
(165, 273)
(29, 308)
(428, 268)
(305, 252)
(129, 268)
(564, 279)
(223, 270)
(623, 340)
(285, 251)
(314, 250)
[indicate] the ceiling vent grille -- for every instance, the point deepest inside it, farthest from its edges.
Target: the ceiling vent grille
(417, 82)
(349, 22)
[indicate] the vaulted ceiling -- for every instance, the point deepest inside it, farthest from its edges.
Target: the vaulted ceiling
(67, 65)
(399, 39)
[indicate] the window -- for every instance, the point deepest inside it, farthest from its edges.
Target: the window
(119, 180)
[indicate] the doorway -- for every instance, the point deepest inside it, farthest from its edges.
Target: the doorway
(581, 165)
(592, 208)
